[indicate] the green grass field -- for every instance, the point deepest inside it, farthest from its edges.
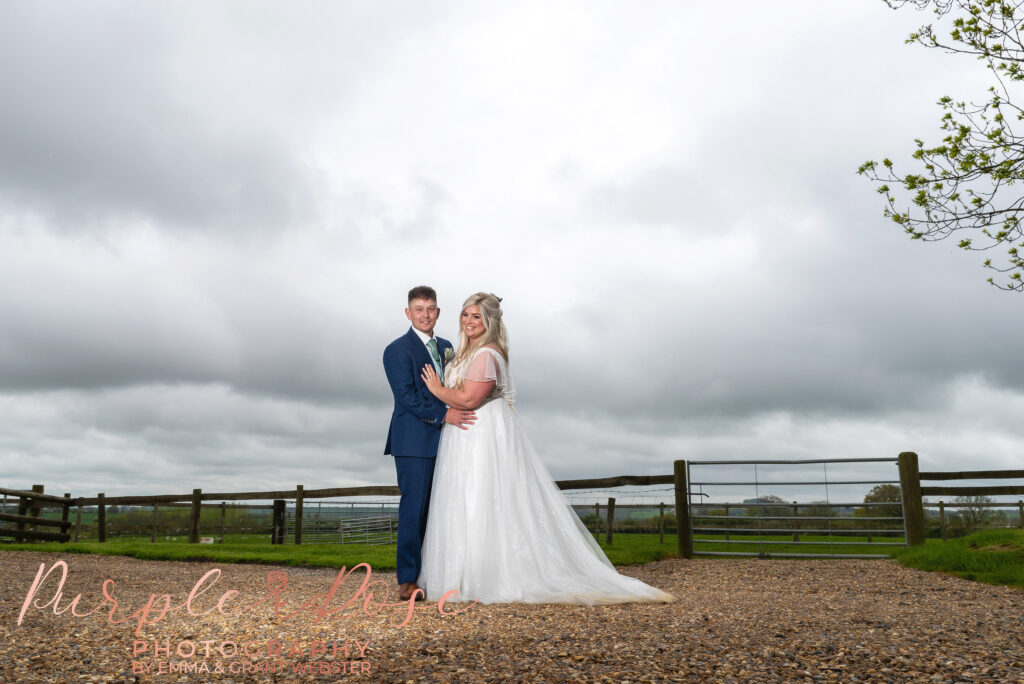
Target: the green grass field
(233, 550)
(782, 544)
(627, 549)
(990, 556)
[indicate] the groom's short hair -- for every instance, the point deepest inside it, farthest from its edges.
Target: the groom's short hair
(422, 292)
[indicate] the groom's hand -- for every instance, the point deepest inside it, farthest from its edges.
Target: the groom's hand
(459, 418)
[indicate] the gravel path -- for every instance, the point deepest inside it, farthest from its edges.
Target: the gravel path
(736, 620)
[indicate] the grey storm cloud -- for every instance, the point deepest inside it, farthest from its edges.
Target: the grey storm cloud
(191, 116)
(92, 131)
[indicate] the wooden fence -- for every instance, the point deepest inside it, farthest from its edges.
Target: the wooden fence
(914, 493)
(36, 500)
(943, 505)
(31, 502)
(30, 505)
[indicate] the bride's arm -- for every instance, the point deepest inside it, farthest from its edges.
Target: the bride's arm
(468, 397)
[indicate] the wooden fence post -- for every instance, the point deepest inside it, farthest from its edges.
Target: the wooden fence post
(156, 518)
(913, 508)
(611, 521)
(597, 521)
(1020, 512)
(193, 516)
(223, 519)
(661, 523)
(78, 520)
(942, 519)
(298, 514)
(33, 508)
(684, 538)
(277, 529)
(65, 514)
(101, 518)
(22, 510)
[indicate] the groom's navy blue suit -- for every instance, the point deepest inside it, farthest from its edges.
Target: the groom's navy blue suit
(412, 439)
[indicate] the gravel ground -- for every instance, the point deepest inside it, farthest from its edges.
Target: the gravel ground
(736, 620)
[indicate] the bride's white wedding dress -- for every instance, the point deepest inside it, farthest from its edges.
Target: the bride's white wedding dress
(499, 529)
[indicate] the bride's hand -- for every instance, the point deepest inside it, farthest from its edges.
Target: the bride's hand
(431, 378)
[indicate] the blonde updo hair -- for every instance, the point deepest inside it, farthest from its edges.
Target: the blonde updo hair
(490, 314)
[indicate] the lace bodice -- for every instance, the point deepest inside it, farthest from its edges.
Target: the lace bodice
(485, 365)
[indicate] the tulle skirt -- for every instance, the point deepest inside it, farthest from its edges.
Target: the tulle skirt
(499, 530)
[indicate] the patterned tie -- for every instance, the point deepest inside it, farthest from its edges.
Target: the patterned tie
(435, 357)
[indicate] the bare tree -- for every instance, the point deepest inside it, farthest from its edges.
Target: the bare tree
(971, 515)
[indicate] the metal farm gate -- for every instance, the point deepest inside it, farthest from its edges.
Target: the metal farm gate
(768, 526)
(330, 522)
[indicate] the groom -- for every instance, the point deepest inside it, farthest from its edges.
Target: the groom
(416, 428)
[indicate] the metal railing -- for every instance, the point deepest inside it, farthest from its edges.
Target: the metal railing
(331, 522)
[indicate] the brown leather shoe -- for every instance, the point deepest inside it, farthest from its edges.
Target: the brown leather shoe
(407, 589)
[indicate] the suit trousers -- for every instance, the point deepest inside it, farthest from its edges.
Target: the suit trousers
(415, 477)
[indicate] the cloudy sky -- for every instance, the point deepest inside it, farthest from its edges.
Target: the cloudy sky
(210, 214)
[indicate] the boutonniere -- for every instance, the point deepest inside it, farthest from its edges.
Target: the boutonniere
(448, 354)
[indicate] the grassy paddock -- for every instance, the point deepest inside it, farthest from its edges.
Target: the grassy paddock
(637, 549)
(632, 549)
(991, 556)
(628, 549)
(749, 543)
(380, 557)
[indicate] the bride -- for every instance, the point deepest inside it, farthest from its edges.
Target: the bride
(499, 530)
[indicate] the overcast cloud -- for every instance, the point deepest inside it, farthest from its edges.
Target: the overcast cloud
(210, 215)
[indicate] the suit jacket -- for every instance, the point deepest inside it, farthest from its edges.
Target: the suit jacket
(418, 416)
